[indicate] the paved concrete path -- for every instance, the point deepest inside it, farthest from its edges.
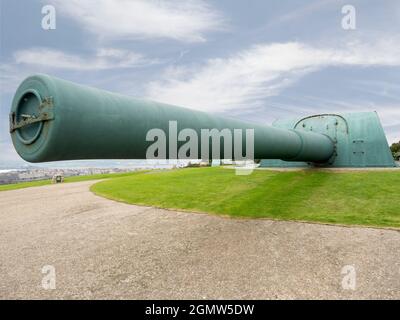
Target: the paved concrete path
(105, 249)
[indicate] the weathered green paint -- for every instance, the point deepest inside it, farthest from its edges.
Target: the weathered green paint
(79, 122)
(360, 139)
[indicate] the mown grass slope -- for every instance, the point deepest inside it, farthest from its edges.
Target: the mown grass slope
(362, 198)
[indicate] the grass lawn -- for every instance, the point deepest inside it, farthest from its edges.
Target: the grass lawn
(362, 198)
(38, 183)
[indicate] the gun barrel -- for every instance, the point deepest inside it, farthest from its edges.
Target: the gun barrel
(52, 119)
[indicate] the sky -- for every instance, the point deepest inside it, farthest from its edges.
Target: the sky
(255, 60)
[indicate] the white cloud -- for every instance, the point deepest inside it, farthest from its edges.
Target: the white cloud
(46, 60)
(302, 11)
(390, 119)
(242, 80)
(174, 19)
(10, 77)
(105, 58)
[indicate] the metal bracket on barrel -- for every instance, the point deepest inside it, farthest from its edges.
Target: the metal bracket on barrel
(45, 114)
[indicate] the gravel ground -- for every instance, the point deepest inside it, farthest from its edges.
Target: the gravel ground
(104, 249)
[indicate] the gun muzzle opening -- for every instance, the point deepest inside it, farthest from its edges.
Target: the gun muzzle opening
(25, 120)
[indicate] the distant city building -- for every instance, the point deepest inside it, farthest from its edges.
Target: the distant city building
(33, 174)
